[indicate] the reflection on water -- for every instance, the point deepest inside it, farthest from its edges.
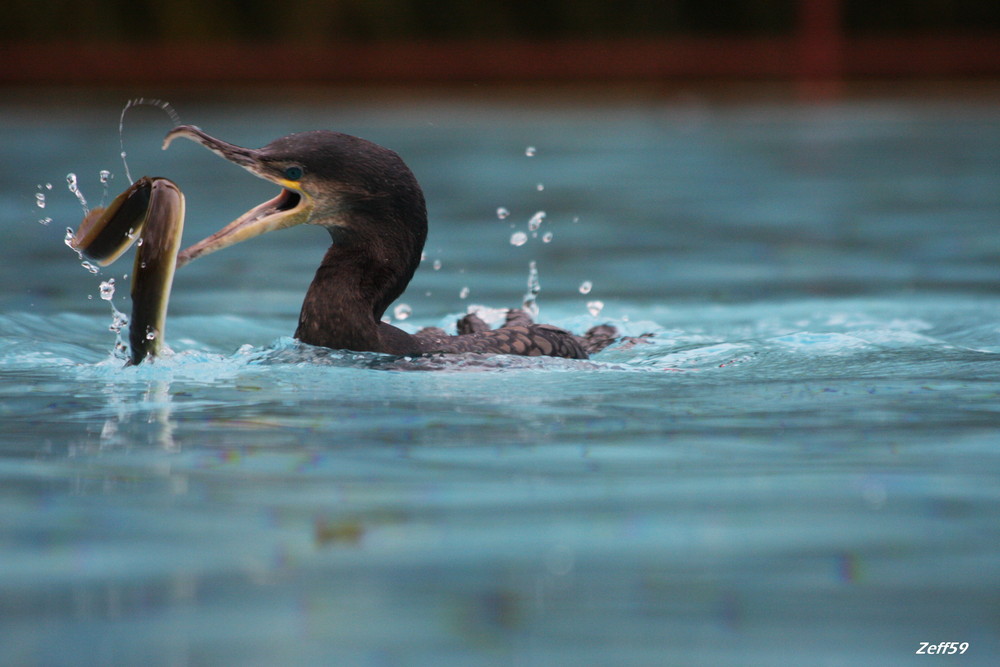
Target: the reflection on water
(796, 466)
(156, 404)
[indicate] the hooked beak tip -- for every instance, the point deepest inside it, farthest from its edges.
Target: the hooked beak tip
(192, 132)
(244, 157)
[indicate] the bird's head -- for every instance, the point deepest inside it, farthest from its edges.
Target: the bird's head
(358, 190)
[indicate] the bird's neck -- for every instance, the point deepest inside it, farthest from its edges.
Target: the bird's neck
(351, 290)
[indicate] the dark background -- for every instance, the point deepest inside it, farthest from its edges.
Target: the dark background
(254, 41)
(381, 20)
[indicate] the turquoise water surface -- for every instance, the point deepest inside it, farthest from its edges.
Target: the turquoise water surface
(799, 464)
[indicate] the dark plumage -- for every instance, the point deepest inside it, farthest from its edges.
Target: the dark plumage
(373, 207)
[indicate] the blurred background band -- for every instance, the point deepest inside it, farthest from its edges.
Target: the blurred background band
(187, 42)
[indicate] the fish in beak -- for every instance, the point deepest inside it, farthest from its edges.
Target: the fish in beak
(150, 213)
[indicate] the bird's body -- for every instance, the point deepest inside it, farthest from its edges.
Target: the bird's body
(373, 207)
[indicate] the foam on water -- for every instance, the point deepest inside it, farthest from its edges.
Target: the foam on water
(843, 332)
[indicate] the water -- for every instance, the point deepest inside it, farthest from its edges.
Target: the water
(798, 466)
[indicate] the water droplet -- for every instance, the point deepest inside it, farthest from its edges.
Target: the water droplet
(93, 268)
(423, 255)
(40, 199)
(540, 187)
(105, 176)
(547, 237)
(530, 303)
(108, 289)
(151, 334)
(536, 221)
(68, 239)
(139, 244)
(48, 186)
(437, 265)
(518, 238)
(576, 219)
(118, 321)
(586, 286)
(530, 151)
(75, 189)
(402, 311)
(502, 213)
(45, 221)
(595, 307)
(464, 294)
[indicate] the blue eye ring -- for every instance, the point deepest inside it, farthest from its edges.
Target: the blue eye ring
(293, 173)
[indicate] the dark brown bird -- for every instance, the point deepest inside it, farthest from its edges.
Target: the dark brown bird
(373, 207)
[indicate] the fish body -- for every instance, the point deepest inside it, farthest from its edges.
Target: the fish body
(149, 214)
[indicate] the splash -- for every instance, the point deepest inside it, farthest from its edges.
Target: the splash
(402, 311)
(40, 202)
(536, 221)
(74, 188)
(119, 320)
(530, 303)
(108, 289)
(141, 101)
(68, 240)
(105, 176)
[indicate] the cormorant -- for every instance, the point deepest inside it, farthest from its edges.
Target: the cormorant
(373, 207)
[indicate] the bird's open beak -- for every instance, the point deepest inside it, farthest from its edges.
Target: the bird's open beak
(291, 207)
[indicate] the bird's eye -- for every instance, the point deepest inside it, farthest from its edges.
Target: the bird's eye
(293, 173)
